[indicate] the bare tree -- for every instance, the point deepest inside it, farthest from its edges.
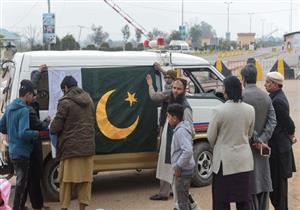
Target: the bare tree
(126, 34)
(138, 35)
(99, 36)
(31, 35)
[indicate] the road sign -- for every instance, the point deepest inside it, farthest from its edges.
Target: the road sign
(183, 31)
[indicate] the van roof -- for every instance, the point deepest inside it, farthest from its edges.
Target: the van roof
(122, 58)
(178, 42)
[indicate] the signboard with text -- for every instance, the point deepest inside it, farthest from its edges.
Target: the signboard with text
(49, 28)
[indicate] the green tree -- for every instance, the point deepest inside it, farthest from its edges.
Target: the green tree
(90, 47)
(156, 33)
(175, 35)
(128, 46)
(150, 35)
(1, 43)
(98, 36)
(138, 35)
(140, 47)
(207, 30)
(57, 45)
(195, 33)
(126, 34)
(104, 46)
(37, 47)
(68, 42)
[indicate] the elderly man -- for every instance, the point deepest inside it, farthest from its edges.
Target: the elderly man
(74, 126)
(265, 122)
(169, 77)
(164, 170)
(282, 163)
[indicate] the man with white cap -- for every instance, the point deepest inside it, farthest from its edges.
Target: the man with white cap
(282, 163)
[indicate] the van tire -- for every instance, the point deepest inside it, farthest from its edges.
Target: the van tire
(203, 168)
(50, 181)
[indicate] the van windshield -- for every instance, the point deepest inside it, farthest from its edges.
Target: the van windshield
(175, 47)
(185, 47)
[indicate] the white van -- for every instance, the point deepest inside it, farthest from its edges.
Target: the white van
(179, 46)
(122, 71)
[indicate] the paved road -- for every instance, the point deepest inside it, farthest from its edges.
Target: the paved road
(130, 190)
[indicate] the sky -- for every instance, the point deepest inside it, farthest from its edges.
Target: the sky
(265, 15)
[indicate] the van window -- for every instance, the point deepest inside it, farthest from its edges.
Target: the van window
(208, 80)
(202, 80)
(192, 87)
(183, 47)
(158, 81)
(40, 80)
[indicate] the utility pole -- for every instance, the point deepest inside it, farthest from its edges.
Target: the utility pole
(271, 26)
(228, 33)
(291, 16)
(182, 12)
(80, 28)
(49, 45)
(262, 28)
(250, 15)
(262, 32)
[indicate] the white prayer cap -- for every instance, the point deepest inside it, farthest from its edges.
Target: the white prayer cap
(275, 77)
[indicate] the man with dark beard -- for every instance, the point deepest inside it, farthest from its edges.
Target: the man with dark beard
(164, 170)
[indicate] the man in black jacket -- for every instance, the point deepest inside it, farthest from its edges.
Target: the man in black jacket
(282, 163)
(36, 157)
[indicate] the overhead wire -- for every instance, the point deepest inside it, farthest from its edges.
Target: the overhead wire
(205, 13)
(24, 16)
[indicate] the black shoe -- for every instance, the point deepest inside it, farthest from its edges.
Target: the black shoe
(158, 198)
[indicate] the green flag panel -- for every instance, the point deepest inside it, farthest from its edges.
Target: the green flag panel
(126, 118)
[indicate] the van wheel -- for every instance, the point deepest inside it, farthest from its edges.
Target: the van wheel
(50, 180)
(203, 168)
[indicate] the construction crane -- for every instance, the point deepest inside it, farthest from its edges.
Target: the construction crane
(130, 20)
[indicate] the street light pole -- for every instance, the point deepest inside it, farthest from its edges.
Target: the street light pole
(182, 12)
(262, 28)
(80, 28)
(250, 14)
(48, 6)
(49, 45)
(291, 16)
(228, 34)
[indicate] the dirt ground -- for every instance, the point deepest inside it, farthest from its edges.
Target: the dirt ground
(130, 190)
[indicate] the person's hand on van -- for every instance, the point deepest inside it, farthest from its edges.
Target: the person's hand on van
(149, 80)
(158, 68)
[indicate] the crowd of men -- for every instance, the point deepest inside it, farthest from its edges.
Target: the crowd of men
(251, 135)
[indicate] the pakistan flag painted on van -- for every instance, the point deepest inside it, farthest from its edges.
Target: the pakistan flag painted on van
(126, 118)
